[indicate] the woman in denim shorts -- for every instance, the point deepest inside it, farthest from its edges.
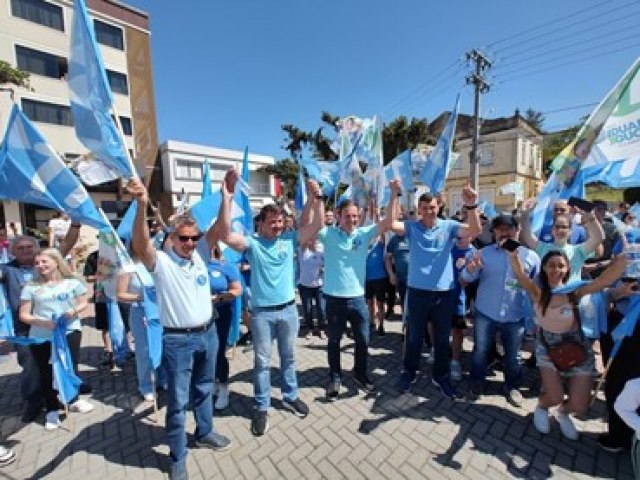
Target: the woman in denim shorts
(557, 320)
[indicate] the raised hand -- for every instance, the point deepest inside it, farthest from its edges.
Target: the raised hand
(395, 187)
(137, 189)
(228, 186)
(469, 195)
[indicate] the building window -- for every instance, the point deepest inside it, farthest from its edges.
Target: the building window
(523, 153)
(39, 11)
(44, 112)
(127, 129)
(41, 63)
(485, 152)
(186, 170)
(118, 82)
(108, 35)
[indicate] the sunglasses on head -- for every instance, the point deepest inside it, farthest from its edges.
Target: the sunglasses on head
(186, 238)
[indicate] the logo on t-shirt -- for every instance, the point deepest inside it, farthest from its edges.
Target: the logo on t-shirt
(356, 244)
(201, 280)
(62, 297)
(215, 274)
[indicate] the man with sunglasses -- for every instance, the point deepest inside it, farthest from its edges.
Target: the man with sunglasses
(273, 309)
(190, 342)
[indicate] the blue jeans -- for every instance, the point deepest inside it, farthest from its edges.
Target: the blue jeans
(511, 333)
(190, 362)
(268, 324)
(309, 296)
(143, 362)
(339, 310)
(429, 306)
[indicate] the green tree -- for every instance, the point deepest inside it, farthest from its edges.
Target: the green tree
(13, 76)
(535, 118)
(287, 171)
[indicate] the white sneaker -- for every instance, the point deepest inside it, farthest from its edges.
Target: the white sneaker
(541, 420)
(81, 406)
(222, 400)
(52, 420)
(567, 427)
(7, 456)
(148, 397)
(455, 371)
(432, 356)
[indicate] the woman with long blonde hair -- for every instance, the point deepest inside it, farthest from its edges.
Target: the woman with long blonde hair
(54, 291)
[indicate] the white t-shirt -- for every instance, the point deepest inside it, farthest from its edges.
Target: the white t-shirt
(182, 290)
(310, 266)
(59, 226)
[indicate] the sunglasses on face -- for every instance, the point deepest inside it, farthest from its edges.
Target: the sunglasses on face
(186, 238)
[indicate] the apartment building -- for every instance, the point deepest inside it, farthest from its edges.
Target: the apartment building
(35, 37)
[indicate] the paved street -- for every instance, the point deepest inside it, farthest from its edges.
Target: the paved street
(419, 435)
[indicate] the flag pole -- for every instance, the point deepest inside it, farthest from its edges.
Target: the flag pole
(603, 377)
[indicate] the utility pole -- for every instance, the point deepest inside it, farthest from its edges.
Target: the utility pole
(476, 78)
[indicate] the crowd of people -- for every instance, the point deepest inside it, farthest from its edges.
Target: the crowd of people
(352, 267)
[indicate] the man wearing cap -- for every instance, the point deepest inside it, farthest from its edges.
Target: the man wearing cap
(190, 341)
(499, 306)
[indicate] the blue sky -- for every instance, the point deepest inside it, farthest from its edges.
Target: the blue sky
(230, 73)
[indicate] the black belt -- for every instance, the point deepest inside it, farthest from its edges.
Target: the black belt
(198, 329)
(280, 306)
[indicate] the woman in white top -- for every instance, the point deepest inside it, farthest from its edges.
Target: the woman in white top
(54, 291)
(130, 288)
(557, 321)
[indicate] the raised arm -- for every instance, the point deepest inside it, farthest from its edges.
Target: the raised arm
(221, 229)
(525, 282)
(595, 232)
(392, 210)
(526, 235)
(140, 239)
(70, 239)
(612, 273)
(315, 214)
(470, 198)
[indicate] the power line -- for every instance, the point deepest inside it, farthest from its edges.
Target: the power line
(427, 86)
(580, 41)
(545, 25)
(568, 109)
(590, 56)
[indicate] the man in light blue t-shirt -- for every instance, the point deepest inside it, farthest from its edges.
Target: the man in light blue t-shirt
(345, 257)
(273, 309)
(431, 296)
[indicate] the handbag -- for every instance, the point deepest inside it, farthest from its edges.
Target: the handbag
(569, 352)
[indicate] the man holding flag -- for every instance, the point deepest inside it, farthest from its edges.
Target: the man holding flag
(190, 342)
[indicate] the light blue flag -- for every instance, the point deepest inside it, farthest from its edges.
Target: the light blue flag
(244, 223)
(236, 319)
(488, 209)
(327, 174)
(64, 377)
(91, 98)
(205, 211)
(301, 193)
(6, 317)
(398, 168)
(154, 327)
(207, 190)
(117, 333)
(434, 173)
(627, 326)
(125, 229)
(32, 172)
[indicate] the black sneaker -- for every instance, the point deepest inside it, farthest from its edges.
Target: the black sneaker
(381, 330)
(297, 407)
(108, 359)
(333, 390)
(245, 339)
(406, 379)
(259, 423)
(445, 388)
(606, 442)
(365, 384)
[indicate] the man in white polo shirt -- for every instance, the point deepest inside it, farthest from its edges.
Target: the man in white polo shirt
(189, 344)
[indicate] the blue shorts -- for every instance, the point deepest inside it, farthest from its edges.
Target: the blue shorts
(542, 357)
